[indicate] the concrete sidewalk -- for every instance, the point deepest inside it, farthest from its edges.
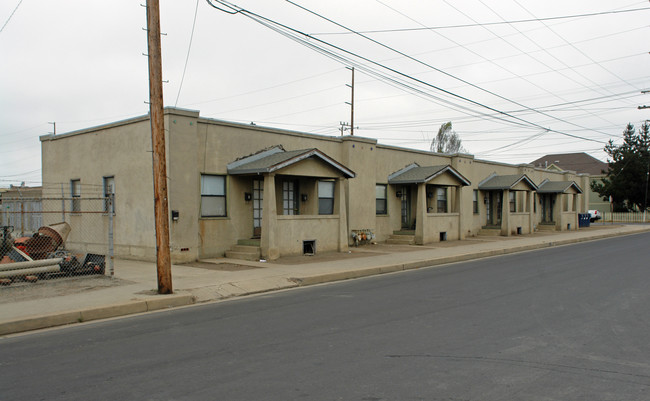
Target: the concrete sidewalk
(133, 288)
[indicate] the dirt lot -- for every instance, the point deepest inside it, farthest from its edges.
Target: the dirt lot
(23, 291)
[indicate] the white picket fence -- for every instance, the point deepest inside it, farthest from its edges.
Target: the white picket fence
(625, 217)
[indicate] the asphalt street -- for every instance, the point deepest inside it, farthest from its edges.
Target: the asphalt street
(565, 323)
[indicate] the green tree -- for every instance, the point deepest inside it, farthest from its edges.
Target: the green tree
(446, 141)
(627, 173)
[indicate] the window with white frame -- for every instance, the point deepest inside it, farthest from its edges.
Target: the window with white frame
(75, 193)
(475, 202)
(513, 201)
(109, 194)
(325, 197)
(381, 203)
(441, 200)
(213, 195)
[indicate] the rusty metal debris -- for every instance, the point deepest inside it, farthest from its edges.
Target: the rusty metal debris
(43, 256)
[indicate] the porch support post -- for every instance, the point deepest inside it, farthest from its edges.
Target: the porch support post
(461, 213)
(557, 210)
(531, 208)
(268, 241)
(341, 210)
(505, 213)
(421, 234)
(575, 212)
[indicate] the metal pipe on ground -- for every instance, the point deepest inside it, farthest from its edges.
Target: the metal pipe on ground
(30, 264)
(30, 271)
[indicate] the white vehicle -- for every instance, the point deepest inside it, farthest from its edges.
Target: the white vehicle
(594, 215)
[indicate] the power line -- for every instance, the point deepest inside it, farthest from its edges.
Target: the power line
(443, 72)
(11, 15)
(573, 46)
(466, 48)
(189, 46)
(476, 24)
(540, 61)
(263, 89)
(389, 80)
(282, 100)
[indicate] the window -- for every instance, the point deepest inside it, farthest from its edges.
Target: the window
(475, 202)
(513, 201)
(325, 197)
(289, 198)
(109, 195)
(213, 195)
(75, 192)
(380, 199)
(441, 200)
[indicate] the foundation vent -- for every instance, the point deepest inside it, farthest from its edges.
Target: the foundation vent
(309, 247)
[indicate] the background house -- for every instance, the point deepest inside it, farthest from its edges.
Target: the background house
(581, 163)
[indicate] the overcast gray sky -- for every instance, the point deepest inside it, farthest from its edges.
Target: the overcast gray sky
(518, 78)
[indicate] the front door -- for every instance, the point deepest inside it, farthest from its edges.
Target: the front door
(547, 208)
(494, 208)
(258, 197)
(406, 207)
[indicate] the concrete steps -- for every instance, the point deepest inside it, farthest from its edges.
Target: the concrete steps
(546, 227)
(244, 252)
(401, 239)
(490, 231)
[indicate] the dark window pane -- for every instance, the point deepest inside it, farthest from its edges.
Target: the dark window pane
(381, 206)
(325, 206)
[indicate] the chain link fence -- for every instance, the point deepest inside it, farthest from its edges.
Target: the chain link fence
(49, 238)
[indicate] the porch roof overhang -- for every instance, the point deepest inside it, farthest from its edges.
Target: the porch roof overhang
(276, 158)
(557, 187)
(502, 182)
(415, 174)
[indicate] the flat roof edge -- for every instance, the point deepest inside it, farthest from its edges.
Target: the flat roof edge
(262, 128)
(127, 121)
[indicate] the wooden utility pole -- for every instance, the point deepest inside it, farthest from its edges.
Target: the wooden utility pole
(351, 103)
(161, 208)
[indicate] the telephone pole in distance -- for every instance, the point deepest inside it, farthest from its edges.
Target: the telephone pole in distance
(351, 103)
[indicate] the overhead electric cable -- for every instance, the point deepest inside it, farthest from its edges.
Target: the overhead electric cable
(476, 24)
(573, 46)
(297, 36)
(187, 58)
(11, 15)
(595, 85)
(338, 57)
(451, 75)
(437, 69)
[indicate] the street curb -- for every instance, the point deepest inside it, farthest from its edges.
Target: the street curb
(159, 302)
(352, 274)
(102, 312)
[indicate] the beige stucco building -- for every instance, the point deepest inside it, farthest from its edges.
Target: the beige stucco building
(236, 188)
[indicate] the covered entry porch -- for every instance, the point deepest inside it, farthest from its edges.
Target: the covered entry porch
(509, 201)
(558, 201)
(431, 201)
(296, 201)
